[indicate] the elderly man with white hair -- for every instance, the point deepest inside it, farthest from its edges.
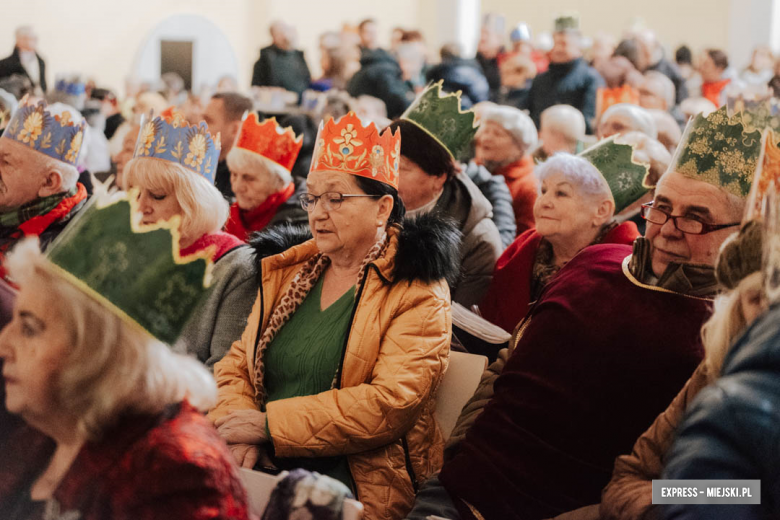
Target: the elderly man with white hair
(505, 136)
(39, 188)
(657, 92)
(562, 129)
(25, 59)
(623, 118)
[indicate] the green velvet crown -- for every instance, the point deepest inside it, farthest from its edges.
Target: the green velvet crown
(136, 273)
(440, 116)
(720, 151)
(626, 178)
(567, 22)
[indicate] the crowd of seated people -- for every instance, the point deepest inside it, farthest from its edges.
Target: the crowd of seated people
(197, 285)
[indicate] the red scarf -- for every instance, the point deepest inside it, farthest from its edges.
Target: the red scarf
(243, 223)
(37, 225)
(712, 90)
(222, 244)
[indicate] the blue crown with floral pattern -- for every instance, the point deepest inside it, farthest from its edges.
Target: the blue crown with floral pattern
(173, 139)
(57, 136)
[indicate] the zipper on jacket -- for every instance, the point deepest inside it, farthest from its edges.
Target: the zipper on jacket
(408, 459)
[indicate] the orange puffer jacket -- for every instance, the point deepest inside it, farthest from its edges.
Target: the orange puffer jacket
(381, 412)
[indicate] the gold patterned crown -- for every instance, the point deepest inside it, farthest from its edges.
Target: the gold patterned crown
(719, 150)
(54, 135)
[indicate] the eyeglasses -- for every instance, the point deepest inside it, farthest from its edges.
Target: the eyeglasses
(331, 200)
(688, 225)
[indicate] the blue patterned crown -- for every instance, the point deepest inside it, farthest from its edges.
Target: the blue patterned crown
(58, 136)
(173, 139)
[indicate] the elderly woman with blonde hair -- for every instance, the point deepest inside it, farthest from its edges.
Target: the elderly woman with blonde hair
(172, 176)
(349, 336)
(110, 416)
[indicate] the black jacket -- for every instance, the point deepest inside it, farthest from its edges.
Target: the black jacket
(492, 73)
(464, 75)
(380, 76)
(13, 65)
(495, 190)
(573, 83)
(732, 429)
(280, 68)
(222, 181)
(670, 70)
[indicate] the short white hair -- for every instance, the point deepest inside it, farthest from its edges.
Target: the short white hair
(584, 177)
(668, 92)
(111, 367)
(276, 175)
(641, 120)
(204, 209)
(514, 121)
(564, 120)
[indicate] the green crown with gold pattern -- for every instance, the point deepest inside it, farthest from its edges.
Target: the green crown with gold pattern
(627, 179)
(135, 272)
(567, 22)
(441, 117)
(719, 150)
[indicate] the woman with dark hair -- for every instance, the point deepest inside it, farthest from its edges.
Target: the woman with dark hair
(436, 133)
(349, 336)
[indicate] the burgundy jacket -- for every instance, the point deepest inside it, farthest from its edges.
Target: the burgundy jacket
(599, 357)
(166, 467)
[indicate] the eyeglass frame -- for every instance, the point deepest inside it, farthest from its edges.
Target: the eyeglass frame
(705, 227)
(317, 198)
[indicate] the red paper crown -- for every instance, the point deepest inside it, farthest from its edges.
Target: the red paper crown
(270, 140)
(350, 147)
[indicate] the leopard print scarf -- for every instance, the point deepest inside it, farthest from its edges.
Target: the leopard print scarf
(299, 288)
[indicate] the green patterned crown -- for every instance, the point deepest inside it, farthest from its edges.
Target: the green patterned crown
(720, 151)
(135, 272)
(627, 179)
(757, 113)
(567, 22)
(440, 116)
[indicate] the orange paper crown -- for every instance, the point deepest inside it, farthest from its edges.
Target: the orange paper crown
(350, 147)
(270, 140)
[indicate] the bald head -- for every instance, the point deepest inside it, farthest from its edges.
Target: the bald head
(26, 39)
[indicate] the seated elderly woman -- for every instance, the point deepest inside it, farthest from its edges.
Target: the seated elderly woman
(629, 493)
(349, 336)
(575, 208)
(562, 128)
(503, 140)
(112, 424)
(623, 118)
(172, 172)
(260, 164)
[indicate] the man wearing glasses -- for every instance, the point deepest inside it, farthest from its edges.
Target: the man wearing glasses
(604, 350)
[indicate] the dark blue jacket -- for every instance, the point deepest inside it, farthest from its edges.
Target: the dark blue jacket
(573, 83)
(464, 75)
(732, 429)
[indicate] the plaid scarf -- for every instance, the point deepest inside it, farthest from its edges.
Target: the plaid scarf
(14, 218)
(299, 288)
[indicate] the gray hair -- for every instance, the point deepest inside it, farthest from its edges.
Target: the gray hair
(24, 30)
(641, 119)
(586, 178)
(276, 175)
(668, 91)
(514, 121)
(564, 120)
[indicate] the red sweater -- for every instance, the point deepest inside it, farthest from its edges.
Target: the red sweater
(509, 294)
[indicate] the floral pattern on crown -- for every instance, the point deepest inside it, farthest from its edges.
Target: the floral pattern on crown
(171, 138)
(57, 136)
(350, 147)
(270, 140)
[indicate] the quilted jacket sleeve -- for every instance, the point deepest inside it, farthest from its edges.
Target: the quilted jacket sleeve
(413, 355)
(629, 494)
(234, 382)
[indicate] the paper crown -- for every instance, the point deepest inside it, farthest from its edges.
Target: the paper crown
(350, 147)
(567, 22)
(757, 113)
(172, 139)
(767, 178)
(70, 87)
(270, 140)
(720, 151)
(606, 97)
(441, 117)
(627, 179)
(134, 272)
(57, 136)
